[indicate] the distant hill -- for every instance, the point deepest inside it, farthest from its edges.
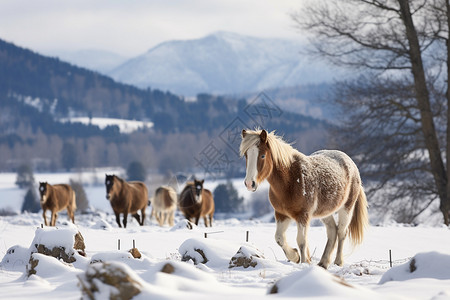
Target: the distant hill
(223, 63)
(76, 90)
(37, 92)
(92, 59)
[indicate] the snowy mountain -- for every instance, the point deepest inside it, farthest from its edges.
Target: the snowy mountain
(92, 59)
(222, 63)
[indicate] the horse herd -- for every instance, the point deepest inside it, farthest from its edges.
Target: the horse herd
(302, 187)
(132, 197)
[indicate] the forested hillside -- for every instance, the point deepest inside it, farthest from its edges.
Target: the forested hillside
(37, 91)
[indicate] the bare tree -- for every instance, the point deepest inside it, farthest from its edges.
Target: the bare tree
(396, 109)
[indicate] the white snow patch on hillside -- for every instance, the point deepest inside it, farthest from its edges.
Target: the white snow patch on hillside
(125, 126)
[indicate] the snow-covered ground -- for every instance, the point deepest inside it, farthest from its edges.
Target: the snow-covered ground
(366, 273)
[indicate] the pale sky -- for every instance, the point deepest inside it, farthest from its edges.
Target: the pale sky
(131, 27)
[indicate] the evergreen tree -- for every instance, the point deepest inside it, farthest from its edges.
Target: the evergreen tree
(227, 199)
(31, 201)
(25, 176)
(136, 171)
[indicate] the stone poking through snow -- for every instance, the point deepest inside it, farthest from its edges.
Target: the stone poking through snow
(135, 253)
(111, 280)
(16, 258)
(246, 257)
(317, 282)
(47, 267)
(61, 243)
(423, 265)
(184, 224)
(66, 244)
(211, 252)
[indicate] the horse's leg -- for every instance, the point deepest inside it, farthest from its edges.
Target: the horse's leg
(53, 220)
(171, 218)
(342, 229)
(71, 214)
(156, 215)
(45, 217)
(280, 237)
(330, 224)
(152, 214)
(205, 219)
(142, 216)
(197, 219)
(161, 218)
(125, 219)
(210, 219)
(137, 217)
(166, 217)
(302, 241)
(118, 219)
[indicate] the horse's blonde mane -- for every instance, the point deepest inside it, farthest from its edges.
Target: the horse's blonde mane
(282, 152)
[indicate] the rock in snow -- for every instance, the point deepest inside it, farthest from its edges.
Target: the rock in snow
(246, 257)
(317, 282)
(423, 265)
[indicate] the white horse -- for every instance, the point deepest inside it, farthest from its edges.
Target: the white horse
(164, 204)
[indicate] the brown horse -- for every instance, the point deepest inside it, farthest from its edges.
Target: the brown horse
(126, 197)
(164, 204)
(305, 187)
(196, 202)
(55, 198)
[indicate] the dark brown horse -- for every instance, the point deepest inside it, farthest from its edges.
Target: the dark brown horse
(55, 198)
(305, 187)
(126, 197)
(196, 202)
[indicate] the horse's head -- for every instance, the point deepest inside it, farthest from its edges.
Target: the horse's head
(43, 191)
(198, 186)
(258, 158)
(111, 186)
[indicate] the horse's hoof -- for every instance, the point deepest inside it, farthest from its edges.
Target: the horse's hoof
(298, 258)
(322, 265)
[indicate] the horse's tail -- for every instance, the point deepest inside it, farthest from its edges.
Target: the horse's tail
(360, 219)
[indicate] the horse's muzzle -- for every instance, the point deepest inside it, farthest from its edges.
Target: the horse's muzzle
(107, 197)
(251, 185)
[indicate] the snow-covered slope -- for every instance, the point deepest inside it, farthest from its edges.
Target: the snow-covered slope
(222, 63)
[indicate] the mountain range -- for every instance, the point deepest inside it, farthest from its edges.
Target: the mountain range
(220, 63)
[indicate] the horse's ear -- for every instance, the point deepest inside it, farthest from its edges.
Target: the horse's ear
(263, 136)
(244, 133)
(203, 180)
